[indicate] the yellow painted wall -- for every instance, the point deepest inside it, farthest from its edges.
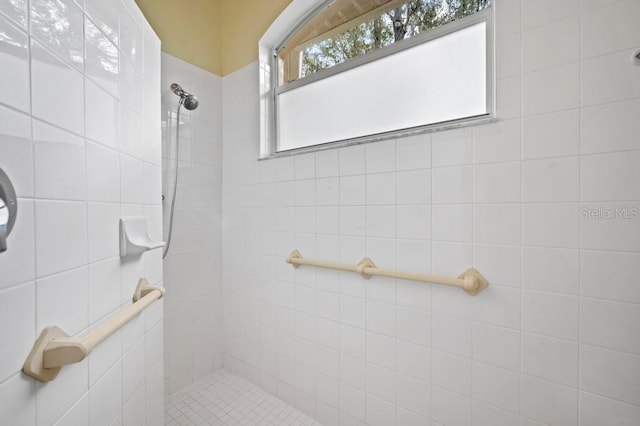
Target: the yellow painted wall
(189, 30)
(220, 36)
(243, 24)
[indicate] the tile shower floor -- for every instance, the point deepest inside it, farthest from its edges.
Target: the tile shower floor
(224, 399)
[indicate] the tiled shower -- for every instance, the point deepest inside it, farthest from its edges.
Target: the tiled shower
(543, 201)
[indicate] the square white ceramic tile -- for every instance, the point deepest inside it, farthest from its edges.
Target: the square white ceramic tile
(104, 288)
(549, 314)
(15, 142)
(451, 372)
(105, 18)
(446, 300)
(550, 45)
(61, 236)
(19, 406)
(16, 302)
(54, 296)
(380, 412)
(552, 134)
(413, 221)
(17, 11)
(608, 78)
(327, 191)
(14, 53)
(550, 359)
(551, 180)
(597, 41)
(610, 226)
(616, 269)
(451, 334)
(610, 177)
(552, 89)
(381, 189)
(381, 350)
(327, 163)
(413, 360)
(488, 415)
(497, 386)
(452, 148)
(414, 326)
(497, 223)
(102, 115)
(610, 325)
(452, 222)
(609, 127)
(497, 183)
(548, 402)
(413, 152)
(610, 373)
(534, 15)
(381, 382)
(353, 371)
(413, 187)
(509, 97)
(380, 156)
(496, 346)
(452, 185)
(107, 392)
(18, 263)
(414, 295)
(352, 402)
(498, 305)
(499, 141)
(52, 401)
(66, 41)
(550, 269)
(353, 341)
(413, 395)
(103, 230)
(52, 80)
(551, 225)
(381, 318)
(509, 55)
(597, 410)
(499, 264)
(60, 165)
(352, 160)
(103, 174)
(508, 17)
(450, 408)
(352, 190)
(304, 166)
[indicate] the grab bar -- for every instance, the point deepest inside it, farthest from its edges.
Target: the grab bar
(54, 348)
(470, 280)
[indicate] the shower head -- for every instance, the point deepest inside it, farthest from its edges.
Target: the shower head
(189, 101)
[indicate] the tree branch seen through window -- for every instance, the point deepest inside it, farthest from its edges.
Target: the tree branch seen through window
(395, 25)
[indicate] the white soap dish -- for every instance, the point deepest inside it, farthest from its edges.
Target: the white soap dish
(134, 237)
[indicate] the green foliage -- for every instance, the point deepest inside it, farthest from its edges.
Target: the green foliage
(400, 23)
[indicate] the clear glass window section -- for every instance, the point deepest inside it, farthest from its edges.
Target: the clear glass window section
(379, 78)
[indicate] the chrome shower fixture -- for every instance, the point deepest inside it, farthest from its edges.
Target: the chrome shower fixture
(189, 101)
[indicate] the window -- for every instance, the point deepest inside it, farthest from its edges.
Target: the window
(357, 70)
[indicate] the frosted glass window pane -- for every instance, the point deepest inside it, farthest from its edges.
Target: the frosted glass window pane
(440, 80)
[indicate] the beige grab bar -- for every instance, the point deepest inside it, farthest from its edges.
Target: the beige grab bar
(54, 348)
(470, 280)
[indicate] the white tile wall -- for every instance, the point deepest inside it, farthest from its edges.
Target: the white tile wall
(60, 144)
(193, 272)
(552, 341)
